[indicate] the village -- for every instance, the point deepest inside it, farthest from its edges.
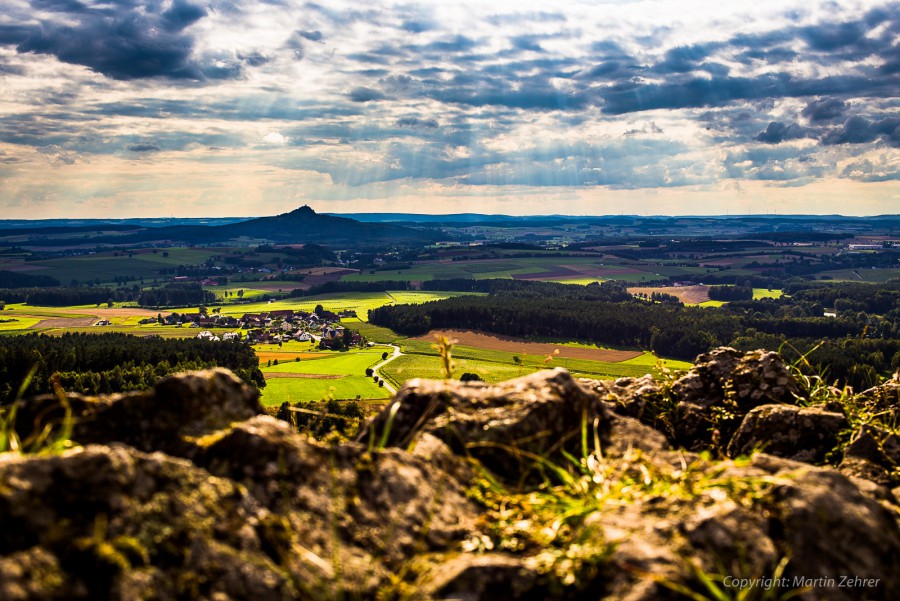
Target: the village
(269, 327)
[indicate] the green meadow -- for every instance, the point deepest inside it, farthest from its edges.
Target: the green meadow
(422, 361)
(343, 377)
(107, 266)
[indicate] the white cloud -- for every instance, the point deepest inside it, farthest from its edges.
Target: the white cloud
(275, 139)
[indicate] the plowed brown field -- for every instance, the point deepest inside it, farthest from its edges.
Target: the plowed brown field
(692, 295)
(518, 345)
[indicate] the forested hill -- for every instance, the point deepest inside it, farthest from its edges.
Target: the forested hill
(302, 225)
(858, 346)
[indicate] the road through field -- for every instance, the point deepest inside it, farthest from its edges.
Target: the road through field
(378, 366)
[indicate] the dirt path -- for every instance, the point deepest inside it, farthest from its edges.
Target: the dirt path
(518, 345)
(387, 384)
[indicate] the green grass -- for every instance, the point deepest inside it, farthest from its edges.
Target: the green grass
(232, 289)
(875, 276)
(712, 303)
(20, 323)
(361, 302)
(422, 361)
(106, 266)
(335, 363)
(38, 311)
(350, 365)
(372, 332)
(764, 293)
(651, 360)
(534, 267)
(280, 390)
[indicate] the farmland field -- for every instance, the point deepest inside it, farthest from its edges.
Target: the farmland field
(360, 302)
(564, 269)
(338, 375)
(107, 266)
(765, 293)
(516, 345)
(495, 366)
(689, 295)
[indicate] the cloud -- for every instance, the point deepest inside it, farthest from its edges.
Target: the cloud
(363, 94)
(312, 36)
(275, 139)
(182, 14)
(777, 132)
(416, 123)
(867, 171)
(143, 147)
(117, 40)
(859, 130)
(824, 109)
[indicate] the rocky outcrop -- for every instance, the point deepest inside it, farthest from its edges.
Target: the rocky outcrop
(805, 434)
(544, 487)
(703, 408)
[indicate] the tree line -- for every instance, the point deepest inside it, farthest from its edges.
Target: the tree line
(14, 279)
(730, 293)
(69, 296)
(176, 295)
(667, 329)
(114, 362)
(338, 286)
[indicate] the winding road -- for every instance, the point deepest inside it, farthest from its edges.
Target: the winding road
(378, 366)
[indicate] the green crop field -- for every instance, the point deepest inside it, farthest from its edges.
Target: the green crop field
(280, 390)
(422, 361)
(360, 302)
(106, 266)
(332, 363)
(16, 324)
(875, 276)
(764, 293)
(371, 332)
(564, 269)
(344, 378)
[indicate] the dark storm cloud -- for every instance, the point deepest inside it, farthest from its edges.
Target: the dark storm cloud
(363, 94)
(720, 91)
(536, 94)
(859, 130)
(830, 36)
(312, 36)
(117, 40)
(824, 109)
(416, 122)
(143, 148)
(831, 44)
(14, 34)
(779, 132)
(684, 58)
(181, 14)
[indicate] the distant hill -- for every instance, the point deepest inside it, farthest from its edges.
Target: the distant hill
(301, 225)
(305, 225)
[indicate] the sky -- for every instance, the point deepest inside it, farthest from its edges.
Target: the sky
(192, 108)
